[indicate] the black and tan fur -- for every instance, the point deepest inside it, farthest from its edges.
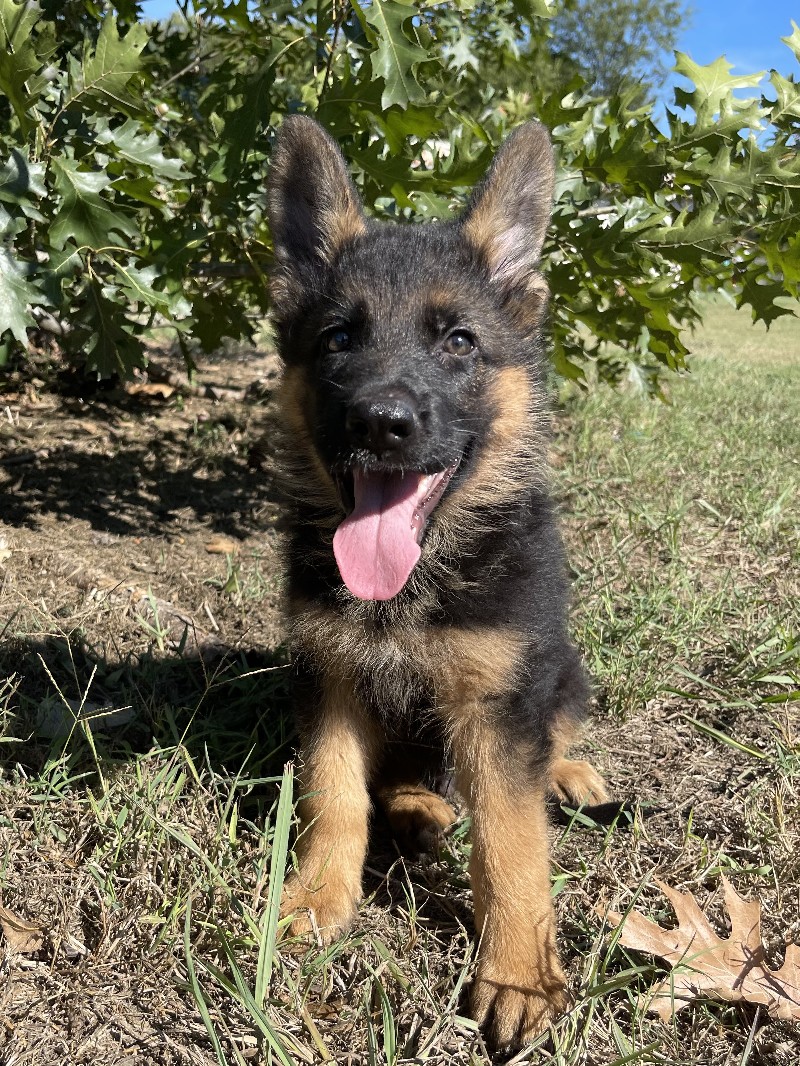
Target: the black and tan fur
(470, 664)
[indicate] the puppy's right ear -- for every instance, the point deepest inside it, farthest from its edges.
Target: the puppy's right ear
(314, 208)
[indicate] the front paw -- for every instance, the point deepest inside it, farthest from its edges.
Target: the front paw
(325, 913)
(512, 1015)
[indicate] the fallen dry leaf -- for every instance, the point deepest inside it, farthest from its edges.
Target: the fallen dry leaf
(153, 389)
(703, 963)
(221, 546)
(57, 717)
(21, 936)
(72, 947)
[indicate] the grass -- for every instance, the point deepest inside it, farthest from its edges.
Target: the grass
(697, 501)
(152, 856)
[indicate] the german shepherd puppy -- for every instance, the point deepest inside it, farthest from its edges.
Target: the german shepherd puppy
(426, 583)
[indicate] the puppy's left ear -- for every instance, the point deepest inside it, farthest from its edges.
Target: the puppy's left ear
(508, 214)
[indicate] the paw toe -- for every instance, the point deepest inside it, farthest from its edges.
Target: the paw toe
(576, 781)
(511, 1017)
(325, 913)
(418, 819)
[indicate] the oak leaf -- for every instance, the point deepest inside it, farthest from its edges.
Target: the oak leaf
(21, 936)
(703, 963)
(221, 545)
(150, 390)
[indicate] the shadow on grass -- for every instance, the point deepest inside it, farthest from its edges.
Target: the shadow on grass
(229, 712)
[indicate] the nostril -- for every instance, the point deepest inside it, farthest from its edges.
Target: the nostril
(359, 427)
(401, 428)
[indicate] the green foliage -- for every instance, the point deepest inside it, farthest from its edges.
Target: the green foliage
(396, 52)
(16, 294)
(133, 159)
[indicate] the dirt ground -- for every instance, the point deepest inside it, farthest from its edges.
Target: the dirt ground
(142, 521)
(141, 490)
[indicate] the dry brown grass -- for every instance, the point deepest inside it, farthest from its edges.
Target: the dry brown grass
(144, 851)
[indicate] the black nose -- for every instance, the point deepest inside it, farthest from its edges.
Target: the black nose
(381, 424)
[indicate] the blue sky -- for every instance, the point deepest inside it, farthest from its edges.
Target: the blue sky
(748, 32)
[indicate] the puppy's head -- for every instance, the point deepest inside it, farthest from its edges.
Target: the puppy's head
(410, 350)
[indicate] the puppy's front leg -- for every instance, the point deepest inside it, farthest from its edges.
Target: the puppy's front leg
(339, 750)
(519, 986)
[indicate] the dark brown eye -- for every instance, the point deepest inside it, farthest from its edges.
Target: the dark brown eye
(459, 343)
(338, 340)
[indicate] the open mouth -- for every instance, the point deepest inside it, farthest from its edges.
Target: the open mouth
(378, 544)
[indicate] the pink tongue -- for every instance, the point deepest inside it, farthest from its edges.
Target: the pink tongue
(376, 547)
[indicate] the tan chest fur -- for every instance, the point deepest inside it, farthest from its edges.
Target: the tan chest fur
(454, 667)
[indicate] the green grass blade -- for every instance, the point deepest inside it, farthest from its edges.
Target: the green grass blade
(724, 738)
(277, 870)
(196, 990)
(248, 1002)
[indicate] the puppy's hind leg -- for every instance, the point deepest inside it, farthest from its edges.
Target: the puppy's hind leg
(417, 815)
(573, 781)
(569, 780)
